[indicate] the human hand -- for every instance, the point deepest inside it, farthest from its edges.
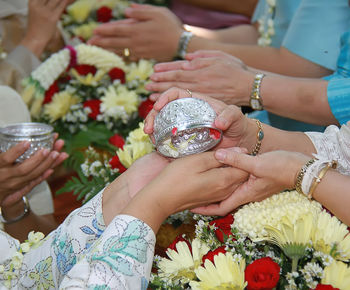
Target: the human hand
(269, 173)
(238, 130)
(119, 193)
(18, 179)
(150, 32)
(220, 75)
(185, 183)
(43, 16)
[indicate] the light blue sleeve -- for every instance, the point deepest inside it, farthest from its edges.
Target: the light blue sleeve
(338, 92)
(315, 31)
(282, 17)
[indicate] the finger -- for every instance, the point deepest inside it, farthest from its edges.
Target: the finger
(10, 156)
(142, 13)
(58, 145)
(203, 54)
(170, 95)
(63, 156)
(154, 97)
(236, 159)
(227, 117)
(173, 76)
(169, 66)
(163, 86)
(114, 28)
(16, 196)
(110, 43)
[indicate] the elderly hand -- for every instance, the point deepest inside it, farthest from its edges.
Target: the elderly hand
(18, 179)
(43, 16)
(215, 73)
(238, 130)
(185, 183)
(269, 173)
(150, 32)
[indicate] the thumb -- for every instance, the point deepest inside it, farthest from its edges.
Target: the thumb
(236, 157)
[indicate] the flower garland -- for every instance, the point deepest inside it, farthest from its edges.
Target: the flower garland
(283, 242)
(11, 267)
(266, 24)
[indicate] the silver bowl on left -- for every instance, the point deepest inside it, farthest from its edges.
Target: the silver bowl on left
(39, 135)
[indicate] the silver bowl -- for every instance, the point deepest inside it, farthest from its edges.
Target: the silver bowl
(38, 134)
(184, 127)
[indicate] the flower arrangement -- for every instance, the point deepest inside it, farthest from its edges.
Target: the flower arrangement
(266, 24)
(83, 16)
(283, 242)
(88, 94)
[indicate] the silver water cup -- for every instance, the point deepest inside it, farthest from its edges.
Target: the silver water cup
(38, 134)
(185, 126)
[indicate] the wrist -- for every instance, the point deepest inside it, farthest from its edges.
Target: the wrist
(249, 134)
(35, 45)
(246, 88)
(15, 212)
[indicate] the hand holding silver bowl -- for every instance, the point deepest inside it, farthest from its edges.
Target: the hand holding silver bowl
(39, 135)
(185, 126)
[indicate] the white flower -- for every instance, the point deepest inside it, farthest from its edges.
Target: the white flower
(271, 3)
(25, 247)
(17, 260)
(35, 237)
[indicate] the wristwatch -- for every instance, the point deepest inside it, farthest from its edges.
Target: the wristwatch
(185, 38)
(255, 98)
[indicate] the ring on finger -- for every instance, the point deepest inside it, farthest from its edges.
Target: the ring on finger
(189, 92)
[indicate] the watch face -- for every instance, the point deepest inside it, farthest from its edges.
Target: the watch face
(255, 104)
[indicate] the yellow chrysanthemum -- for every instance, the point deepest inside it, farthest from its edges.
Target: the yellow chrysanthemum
(140, 71)
(225, 273)
(89, 79)
(110, 3)
(330, 234)
(252, 218)
(28, 93)
(36, 106)
(80, 9)
(117, 101)
(85, 31)
(338, 275)
(131, 152)
(98, 57)
(182, 263)
(138, 135)
(59, 107)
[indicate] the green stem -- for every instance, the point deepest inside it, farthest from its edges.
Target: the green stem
(295, 264)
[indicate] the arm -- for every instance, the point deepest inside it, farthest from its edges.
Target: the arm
(240, 7)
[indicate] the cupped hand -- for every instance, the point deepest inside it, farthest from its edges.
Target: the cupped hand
(237, 129)
(43, 16)
(217, 74)
(150, 32)
(185, 183)
(18, 179)
(269, 173)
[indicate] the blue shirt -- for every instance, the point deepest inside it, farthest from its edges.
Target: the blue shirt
(338, 89)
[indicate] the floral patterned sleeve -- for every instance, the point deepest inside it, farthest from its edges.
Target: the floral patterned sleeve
(334, 144)
(120, 259)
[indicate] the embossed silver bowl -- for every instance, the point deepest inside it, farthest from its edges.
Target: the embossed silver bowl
(184, 127)
(38, 134)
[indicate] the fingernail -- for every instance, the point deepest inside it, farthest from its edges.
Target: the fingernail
(45, 152)
(54, 154)
(127, 11)
(26, 144)
(220, 155)
(149, 87)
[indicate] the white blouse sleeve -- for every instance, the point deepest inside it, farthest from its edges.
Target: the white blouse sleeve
(121, 259)
(334, 144)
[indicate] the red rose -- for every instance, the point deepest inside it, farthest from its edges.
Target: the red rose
(179, 238)
(325, 287)
(223, 225)
(262, 274)
(94, 106)
(115, 163)
(104, 14)
(53, 89)
(117, 141)
(85, 69)
(211, 254)
(117, 74)
(145, 107)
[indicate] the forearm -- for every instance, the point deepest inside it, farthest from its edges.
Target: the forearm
(241, 34)
(234, 6)
(337, 202)
(276, 60)
(276, 139)
(300, 99)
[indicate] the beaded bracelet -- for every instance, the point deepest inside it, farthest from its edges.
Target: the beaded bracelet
(333, 164)
(301, 174)
(259, 137)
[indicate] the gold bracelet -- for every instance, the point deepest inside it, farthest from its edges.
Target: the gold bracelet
(318, 179)
(301, 174)
(259, 137)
